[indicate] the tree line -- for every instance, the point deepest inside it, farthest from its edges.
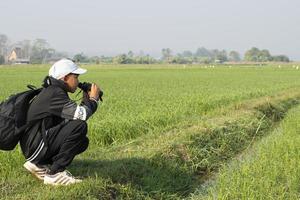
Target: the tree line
(39, 51)
(201, 55)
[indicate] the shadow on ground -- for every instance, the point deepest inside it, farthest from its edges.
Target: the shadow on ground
(151, 177)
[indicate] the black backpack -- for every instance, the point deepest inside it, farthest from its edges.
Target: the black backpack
(13, 113)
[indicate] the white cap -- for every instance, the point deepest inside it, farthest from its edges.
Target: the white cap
(64, 67)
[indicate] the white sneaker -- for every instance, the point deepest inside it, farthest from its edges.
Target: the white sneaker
(61, 178)
(38, 172)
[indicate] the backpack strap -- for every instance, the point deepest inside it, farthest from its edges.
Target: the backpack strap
(32, 87)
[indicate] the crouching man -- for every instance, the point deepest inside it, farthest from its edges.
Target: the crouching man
(60, 131)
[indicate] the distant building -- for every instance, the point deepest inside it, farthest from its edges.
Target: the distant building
(16, 57)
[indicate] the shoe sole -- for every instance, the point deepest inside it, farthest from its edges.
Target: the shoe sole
(60, 180)
(59, 184)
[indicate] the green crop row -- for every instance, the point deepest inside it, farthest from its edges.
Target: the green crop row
(144, 100)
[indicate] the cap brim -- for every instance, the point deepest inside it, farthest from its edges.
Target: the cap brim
(79, 71)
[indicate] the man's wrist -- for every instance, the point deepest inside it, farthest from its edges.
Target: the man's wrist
(94, 99)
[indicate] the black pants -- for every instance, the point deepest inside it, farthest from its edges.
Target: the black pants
(64, 143)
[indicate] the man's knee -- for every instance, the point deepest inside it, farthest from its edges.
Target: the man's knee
(85, 144)
(78, 126)
(82, 124)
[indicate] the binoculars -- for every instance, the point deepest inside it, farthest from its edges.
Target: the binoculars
(86, 87)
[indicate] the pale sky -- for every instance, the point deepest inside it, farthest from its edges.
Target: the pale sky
(98, 27)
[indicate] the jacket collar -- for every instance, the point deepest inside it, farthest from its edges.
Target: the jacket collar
(52, 81)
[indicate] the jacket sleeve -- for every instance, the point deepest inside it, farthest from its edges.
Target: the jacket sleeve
(61, 105)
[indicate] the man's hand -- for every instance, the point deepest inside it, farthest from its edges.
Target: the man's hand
(95, 91)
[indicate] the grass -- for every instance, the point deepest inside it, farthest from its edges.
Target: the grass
(269, 170)
(160, 132)
(141, 101)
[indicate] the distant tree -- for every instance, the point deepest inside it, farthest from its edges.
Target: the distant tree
(187, 54)
(3, 44)
(280, 58)
(2, 60)
(219, 56)
(252, 54)
(264, 56)
(81, 58)
(142, 60)
(141, 53)
(205, 60)
(256, 55)
(105, 59)
(234, 56)
(3, 40)
(150, 60)
(40, 51)
(60, 54)
(130, 58)
(147, 59)
(40, 44)
(120, 59)
(95, 59)
(203, 52)
(138, 59)
(26, 48)
(130, 54)
(222, 56)
(167, 54)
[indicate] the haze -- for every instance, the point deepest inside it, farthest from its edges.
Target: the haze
(98, 27)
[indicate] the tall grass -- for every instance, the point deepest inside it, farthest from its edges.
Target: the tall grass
(144, 100)
(270, 170)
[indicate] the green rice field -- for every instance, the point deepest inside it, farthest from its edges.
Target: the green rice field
(175, 132)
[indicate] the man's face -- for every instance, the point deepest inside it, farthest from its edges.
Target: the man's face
(71, 81)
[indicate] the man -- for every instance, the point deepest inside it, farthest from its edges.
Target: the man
(60, 128)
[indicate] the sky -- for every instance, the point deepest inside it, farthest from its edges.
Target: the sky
(111, 27)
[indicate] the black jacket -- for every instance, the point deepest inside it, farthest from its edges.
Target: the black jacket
(51, 108)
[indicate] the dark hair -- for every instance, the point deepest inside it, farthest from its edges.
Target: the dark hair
(46, 82)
